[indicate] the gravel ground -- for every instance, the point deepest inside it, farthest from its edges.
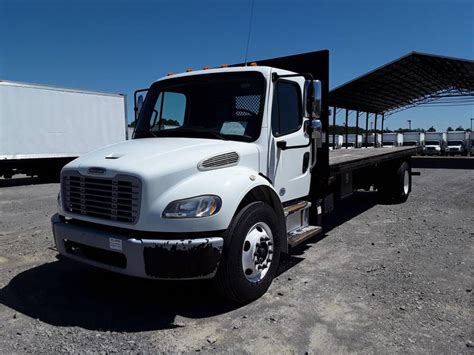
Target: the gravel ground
(382, 279)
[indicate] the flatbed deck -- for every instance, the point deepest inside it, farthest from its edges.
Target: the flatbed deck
(349, 159)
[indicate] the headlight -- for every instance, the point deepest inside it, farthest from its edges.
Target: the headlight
(195, 207)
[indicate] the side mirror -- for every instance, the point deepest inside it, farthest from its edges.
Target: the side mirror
(138, 98)
(317, 132)
(312, 98)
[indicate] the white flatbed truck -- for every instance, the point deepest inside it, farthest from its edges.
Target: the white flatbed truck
(241, 173)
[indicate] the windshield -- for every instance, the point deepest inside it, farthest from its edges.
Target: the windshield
(432, 143)
(216, 106)
(409, 144)
(388, 143)
(455, 142)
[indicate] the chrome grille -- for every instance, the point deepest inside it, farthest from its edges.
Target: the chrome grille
(219, 161)
(116, 199)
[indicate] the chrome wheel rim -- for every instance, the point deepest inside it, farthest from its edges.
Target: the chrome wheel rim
(406, 182)
(257, 252)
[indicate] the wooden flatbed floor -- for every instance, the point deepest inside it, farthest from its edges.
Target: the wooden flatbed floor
(349, 159)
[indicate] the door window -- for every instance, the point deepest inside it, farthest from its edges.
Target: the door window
(286, 110)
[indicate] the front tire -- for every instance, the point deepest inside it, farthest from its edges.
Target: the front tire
(251, 254)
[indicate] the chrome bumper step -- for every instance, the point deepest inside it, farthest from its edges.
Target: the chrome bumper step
(302, 234)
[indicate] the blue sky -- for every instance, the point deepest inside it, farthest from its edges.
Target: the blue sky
(119, 46)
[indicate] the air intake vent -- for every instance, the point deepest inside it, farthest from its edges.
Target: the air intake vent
(219, 161)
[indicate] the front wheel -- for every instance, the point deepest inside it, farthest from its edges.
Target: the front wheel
(251, 253)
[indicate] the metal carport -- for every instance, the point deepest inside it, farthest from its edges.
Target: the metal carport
(414, 79)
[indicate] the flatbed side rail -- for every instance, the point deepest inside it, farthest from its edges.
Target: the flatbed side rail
(344, 160)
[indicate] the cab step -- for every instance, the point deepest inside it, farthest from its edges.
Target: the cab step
(299, 235)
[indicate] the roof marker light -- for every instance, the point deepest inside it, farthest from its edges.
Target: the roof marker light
(170, 73)
(189, 70)
(224, 65)
(253, 64)
(205, 68)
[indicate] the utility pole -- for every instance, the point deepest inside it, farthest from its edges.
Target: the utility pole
(472, 119)
(409, 125)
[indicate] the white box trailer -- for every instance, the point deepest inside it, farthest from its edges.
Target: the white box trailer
(335, 142)
(351, 141)
(392, 139)
(42, 128)
(458, 142)
(413, 139)
(435, 143)
(370, 139)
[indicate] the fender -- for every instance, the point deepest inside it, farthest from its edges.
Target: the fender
(230, 184)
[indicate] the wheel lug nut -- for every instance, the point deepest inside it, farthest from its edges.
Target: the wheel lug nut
(257, 245)
(270, 252)
(270, 243)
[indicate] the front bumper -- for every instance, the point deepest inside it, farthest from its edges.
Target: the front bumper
(149, 258)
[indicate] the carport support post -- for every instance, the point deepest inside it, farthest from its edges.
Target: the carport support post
(375, 131)
(366, 128)
(357, 129)
(383, 119)
(347, 127)
(334, 128)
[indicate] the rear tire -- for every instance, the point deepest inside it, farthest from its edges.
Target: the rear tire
(238, 277)
(397, 187)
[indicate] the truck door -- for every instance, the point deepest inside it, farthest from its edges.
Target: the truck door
(289, 169)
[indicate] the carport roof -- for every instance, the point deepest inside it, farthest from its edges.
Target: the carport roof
(414, 79)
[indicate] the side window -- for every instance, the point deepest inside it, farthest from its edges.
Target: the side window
(169, 111)
(286, 110)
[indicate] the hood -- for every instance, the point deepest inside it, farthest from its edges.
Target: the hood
(149, 157)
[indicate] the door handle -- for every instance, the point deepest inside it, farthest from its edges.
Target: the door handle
(305, 162)
(281, 145)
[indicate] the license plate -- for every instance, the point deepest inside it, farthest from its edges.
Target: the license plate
(115, 244)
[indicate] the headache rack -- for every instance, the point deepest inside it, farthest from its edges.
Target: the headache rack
(115, 199)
